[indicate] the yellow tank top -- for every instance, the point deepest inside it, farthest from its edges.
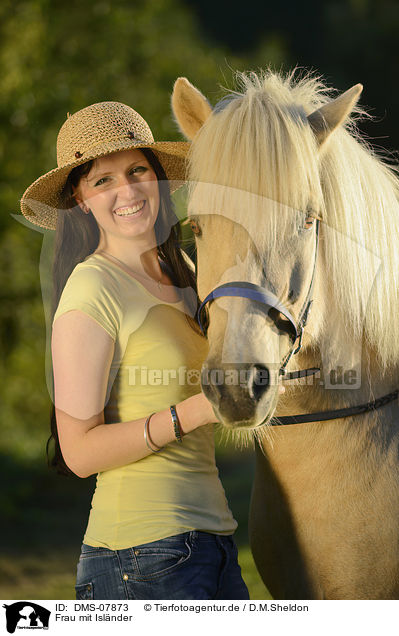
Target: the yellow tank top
(156, 363)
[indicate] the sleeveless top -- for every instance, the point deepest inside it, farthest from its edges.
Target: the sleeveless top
(156, 362)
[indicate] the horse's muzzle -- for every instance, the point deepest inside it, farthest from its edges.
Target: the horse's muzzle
(240, 393)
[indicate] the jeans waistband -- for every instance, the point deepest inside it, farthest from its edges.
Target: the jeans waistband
(194, 536)
(207, 536)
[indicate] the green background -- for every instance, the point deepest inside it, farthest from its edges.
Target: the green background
(57, 58)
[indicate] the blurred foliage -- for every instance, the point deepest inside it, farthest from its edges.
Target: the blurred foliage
(59, 57)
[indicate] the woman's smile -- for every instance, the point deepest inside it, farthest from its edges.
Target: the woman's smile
(134, 210)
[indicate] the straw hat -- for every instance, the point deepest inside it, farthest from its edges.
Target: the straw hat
(92, 132)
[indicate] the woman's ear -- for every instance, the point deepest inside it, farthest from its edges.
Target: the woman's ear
(79, 201)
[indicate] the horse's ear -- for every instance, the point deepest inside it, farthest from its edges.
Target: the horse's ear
(190, 108)
(328, 117)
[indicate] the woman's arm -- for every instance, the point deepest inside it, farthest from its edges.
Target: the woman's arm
(82, 353)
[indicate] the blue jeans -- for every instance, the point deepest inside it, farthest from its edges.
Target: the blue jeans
(193, 565)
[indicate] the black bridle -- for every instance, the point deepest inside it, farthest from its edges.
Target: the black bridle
(273, 308)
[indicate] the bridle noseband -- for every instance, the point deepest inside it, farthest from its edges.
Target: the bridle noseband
(243, 289)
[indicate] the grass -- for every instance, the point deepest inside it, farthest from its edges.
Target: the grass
(44, 518)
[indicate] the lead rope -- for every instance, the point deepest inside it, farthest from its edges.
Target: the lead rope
(320, 416)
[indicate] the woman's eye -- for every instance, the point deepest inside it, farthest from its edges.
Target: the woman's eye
(195, 228)
(138, 169)
(101, 181)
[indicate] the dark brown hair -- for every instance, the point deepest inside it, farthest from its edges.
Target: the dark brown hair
(78, 235)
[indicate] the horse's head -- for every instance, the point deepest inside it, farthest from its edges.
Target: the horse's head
(255, 194)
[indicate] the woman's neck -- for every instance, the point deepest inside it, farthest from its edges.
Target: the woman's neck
(142, 259)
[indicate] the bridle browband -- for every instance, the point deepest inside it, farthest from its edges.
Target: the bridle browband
(273, 307)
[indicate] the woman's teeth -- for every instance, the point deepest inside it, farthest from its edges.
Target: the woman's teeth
(129, 211)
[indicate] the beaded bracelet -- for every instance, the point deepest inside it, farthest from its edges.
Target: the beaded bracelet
(176, 423)
(148, 438)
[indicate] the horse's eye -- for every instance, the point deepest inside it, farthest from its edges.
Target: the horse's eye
(195, 228)
(309, 222)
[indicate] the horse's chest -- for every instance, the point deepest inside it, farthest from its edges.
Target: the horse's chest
(326, 511)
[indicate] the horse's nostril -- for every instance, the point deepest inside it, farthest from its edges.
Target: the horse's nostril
(259, 381)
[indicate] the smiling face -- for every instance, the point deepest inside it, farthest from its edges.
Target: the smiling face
(121, 190)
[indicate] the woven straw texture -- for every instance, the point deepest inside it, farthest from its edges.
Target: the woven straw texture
(93, 132)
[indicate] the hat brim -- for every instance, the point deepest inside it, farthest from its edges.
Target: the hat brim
(41, 202)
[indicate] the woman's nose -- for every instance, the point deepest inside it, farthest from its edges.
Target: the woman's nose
(127, 187)
(127, 180)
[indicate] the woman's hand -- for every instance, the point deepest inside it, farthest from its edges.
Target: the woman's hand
(194, 412)
(197, 411)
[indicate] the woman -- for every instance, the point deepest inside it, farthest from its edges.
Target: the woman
(125, 347)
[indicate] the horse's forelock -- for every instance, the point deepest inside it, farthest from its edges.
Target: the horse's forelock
(260, 145)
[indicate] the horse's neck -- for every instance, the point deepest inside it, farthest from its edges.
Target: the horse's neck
(324, 470)
(351, 371)
(292, 448)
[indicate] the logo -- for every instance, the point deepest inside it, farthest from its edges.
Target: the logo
(26, 615)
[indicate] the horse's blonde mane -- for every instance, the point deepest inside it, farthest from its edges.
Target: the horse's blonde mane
(258, 142)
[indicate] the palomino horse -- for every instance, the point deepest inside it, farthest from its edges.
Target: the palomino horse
(292, 209)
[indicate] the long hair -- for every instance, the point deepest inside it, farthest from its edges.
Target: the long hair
(78, 235)
(257, 148)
